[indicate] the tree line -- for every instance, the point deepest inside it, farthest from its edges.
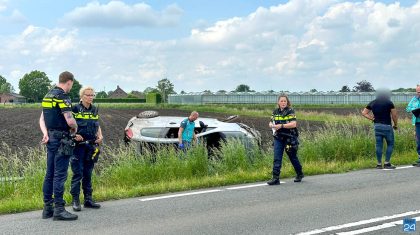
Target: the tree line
(36, 84)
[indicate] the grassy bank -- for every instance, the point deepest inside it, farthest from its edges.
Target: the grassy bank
(122, 173)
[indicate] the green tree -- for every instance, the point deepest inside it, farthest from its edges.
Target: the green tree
(313, 90)
(345, 89)
(131, 96)
(150, 89)
(74, 92)
(34, 85)
(101, 94)
(5, 87)
(242, 88)
(363, 86)
(404, 90)
(165, 87)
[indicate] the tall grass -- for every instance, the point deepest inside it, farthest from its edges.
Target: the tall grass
(122, 172)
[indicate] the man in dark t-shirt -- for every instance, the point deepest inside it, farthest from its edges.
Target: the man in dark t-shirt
(381, 111)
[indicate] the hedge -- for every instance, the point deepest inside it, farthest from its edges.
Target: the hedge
(119, 100)
(154, 98)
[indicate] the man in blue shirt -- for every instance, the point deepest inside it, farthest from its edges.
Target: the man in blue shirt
(186, 132)
(415, 120)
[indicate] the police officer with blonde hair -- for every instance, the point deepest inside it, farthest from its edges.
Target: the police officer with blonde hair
(88, 138)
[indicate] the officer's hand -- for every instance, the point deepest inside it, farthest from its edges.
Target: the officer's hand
(78, 138)
(181, 146)
(45, 139)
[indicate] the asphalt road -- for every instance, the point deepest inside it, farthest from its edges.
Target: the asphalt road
(330, 202)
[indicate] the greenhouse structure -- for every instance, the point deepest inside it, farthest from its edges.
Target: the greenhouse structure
(295, 97)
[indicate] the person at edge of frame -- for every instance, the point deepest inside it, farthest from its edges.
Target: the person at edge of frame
(186, 132)
(285, 133)
(88, 138)
(414, 108)
(380, 111)
(58, 126)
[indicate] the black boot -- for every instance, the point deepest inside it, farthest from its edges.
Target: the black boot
(76, 204)
(299, 177)
(48, 211)
(90, 203)
(274, 181)
(60, 213)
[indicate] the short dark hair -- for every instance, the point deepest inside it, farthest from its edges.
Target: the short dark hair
(65, 77)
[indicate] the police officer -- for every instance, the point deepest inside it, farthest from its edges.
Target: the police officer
(88, 137)
(57, 125)
(283, 123)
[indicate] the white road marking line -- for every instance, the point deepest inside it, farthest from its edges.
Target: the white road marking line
(179, 195)
(206, 191)
(362, 222)
(251, 186)
(374, 228)
(398, 168)
(370, 229)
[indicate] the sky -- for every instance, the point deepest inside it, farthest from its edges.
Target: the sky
(295, 45)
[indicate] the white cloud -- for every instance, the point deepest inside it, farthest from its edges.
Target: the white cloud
(295, 46)
(3, 5)
(10, 16)
(116, 14)
(17, 17)
(32, 39)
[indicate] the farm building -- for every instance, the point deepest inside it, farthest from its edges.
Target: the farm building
(118, 93)
(295, 98)
(12, 98)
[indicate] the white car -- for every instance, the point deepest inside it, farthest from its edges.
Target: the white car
(148, 128)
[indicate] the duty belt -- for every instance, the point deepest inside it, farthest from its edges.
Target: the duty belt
(58, 133)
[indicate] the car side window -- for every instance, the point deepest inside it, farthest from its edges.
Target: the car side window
(234, 134)
(153, 132)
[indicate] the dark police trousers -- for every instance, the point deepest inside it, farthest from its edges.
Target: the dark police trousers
(57, 165)
(82, 167)
(279, 147)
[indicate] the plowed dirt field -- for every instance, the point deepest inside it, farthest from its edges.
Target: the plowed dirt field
(19, 127)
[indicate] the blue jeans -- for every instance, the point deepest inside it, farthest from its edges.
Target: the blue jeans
(418, 138)
(279, 147)
(383, 131)
(187, 144)
(82, 167)
(56, 175)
